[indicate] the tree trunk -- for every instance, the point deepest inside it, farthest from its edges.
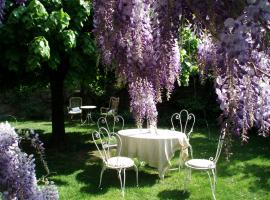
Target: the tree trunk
(57, 106)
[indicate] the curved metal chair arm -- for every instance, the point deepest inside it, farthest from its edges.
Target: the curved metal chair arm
(104, 110)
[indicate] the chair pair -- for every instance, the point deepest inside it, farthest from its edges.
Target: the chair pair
(103, 140)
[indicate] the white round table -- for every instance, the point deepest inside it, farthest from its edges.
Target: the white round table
(88, 109)
(155, 147)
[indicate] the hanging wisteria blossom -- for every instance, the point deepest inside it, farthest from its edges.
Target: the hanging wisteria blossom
(2, 7)
(17, 170)
(140, 38)
(241, 63)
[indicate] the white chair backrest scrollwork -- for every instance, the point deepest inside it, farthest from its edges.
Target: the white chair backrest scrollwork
(111, 123)
(103, 139)
(186, 122)
(219, 147)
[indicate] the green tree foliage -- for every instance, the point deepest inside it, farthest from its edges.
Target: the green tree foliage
(46, 40)
(188, 52)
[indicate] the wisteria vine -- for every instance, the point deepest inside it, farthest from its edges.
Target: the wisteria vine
(140, 38)
(240, 60)
(17, 170)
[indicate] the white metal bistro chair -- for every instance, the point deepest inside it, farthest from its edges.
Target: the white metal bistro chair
(74, 107)
(185, 122)
(118, 162)
(113, 107)
(207, 165)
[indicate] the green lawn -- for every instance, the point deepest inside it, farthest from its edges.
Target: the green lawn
(77, 170)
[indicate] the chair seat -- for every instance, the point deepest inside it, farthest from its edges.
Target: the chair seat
(200, 164)
(120, 162)
(74, 112)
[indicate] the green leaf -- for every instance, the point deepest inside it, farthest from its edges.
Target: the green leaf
(79, 12)
(58, 21)
(88, 45)
(69, 38)
(39, 51)
(35, 15)
(52, 5)
(54, 60)
(16, 15)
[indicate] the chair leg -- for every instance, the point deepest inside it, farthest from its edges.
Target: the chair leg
(124, 183)
(212, 183)
(214, 177)
(189, 174)
(101, 174)
(215, 173)
(187, 177)
(136, 170)
(120, 178)
(180, 161)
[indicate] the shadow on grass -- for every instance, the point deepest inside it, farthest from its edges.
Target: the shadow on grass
(58, 182)
(261, 175)
(173, 194)
(71, 158)
(91, 174)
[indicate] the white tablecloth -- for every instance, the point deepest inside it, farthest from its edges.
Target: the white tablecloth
(153, 147)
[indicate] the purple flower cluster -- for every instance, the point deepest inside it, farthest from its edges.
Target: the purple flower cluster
(143, 102)
(17, 170)
(207, 55)
(242, 66)
(2, 7)
(140, 38)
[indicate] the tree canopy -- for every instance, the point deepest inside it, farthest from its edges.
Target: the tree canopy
(44, 40)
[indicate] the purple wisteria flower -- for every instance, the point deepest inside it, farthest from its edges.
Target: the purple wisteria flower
(2, 7)
(140, 38)
(17, 170)
(241, 64)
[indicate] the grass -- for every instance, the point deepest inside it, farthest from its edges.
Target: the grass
(77, 170)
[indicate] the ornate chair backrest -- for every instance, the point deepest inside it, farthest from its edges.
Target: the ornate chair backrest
(219, 147)
(114, 103)
(186, 122)
(75, 102)
(102, 139)
(111, 124)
